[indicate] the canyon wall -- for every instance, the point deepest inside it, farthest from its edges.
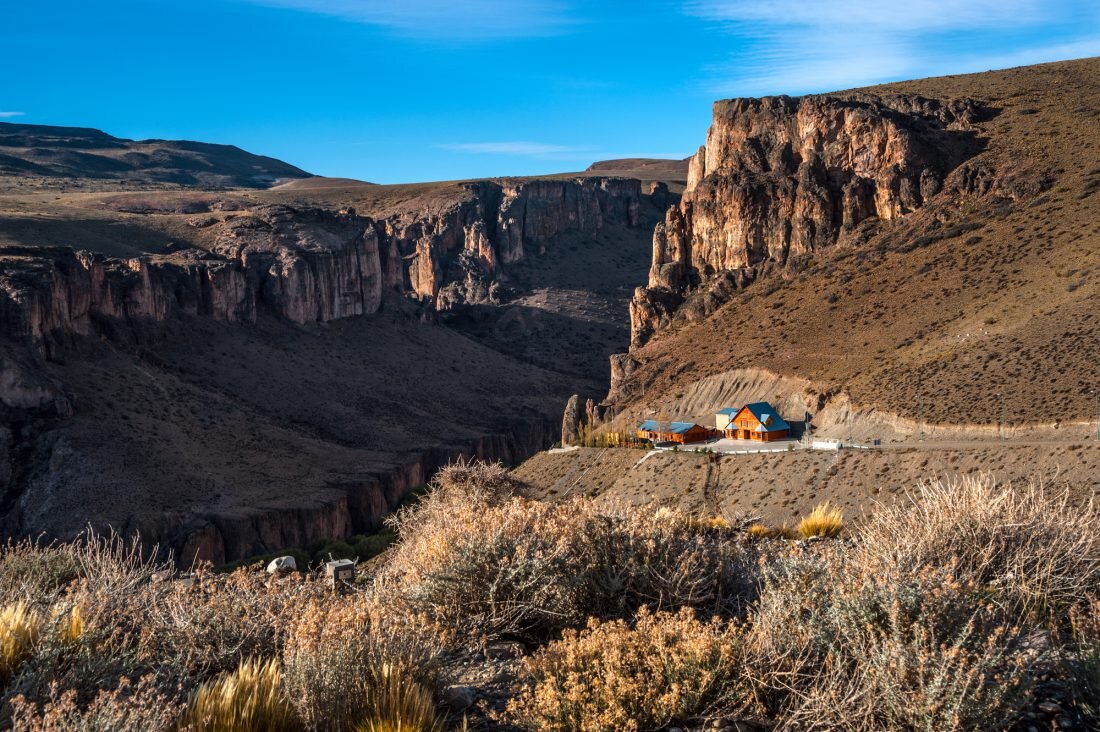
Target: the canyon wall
(353, 506)
(780, 178)
(307, 264)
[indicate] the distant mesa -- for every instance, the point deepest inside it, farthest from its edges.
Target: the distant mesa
(46, 151)
(645, 168)
(319, 182)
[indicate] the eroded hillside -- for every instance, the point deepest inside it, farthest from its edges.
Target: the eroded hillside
(916, 250)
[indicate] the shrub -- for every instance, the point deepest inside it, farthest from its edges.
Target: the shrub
(1030, 549)
(823, 521)
(490, 565)
(834, 646)
(244, 700)
(127, 708)
(342, 656)
(216, 621)
(1083, 661)
(669, 668)
(35, 572)
(19, 630)
(477, 562)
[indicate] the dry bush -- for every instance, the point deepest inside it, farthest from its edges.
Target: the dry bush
(669, 668)
(344, 656)
(823, 521)
(35, 572)
(488, 479)
(631, 557)
(214, 622)
(836, 645)
(491, 565)
(244, 700)
(1031, 549)
(127, 708)
(20, 627)
(1083, 661)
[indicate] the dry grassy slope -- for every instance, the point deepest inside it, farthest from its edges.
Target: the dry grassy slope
(781, 487)
(917, 325)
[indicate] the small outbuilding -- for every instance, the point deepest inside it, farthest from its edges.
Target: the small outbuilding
(758, 421)
(678, 432)
(723, 417)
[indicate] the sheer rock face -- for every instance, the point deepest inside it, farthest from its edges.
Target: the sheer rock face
(781, 177)
(304, 264)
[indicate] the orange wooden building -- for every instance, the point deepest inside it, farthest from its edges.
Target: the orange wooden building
(758, 421)
(678, 432)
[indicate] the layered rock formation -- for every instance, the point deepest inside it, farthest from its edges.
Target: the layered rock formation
(780, 178)
(307, 264)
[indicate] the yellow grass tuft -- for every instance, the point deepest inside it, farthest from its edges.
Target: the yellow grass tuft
(399, 703)
(249, 698)
(19, 630)
(758, 531)
(72, 626)
(823, 521)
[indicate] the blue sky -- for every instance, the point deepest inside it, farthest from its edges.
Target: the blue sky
(406, 90)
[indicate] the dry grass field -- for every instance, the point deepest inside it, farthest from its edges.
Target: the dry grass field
(778, 488)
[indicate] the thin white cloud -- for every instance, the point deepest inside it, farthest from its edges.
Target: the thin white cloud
(446, 20)
(8, 115)
(799, 46)
(526, 149)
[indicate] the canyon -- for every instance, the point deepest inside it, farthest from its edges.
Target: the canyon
(229, 372)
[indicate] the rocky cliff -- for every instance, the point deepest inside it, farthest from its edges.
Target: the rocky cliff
(780, 178)
(308, 264)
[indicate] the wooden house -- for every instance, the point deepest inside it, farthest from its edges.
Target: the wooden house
(757, 421)
(678, 432)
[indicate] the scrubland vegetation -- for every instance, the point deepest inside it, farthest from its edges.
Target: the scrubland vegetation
(971, 606)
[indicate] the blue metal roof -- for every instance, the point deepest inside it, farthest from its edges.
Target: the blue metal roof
(727, 410)
(652, 425)
(760, 410)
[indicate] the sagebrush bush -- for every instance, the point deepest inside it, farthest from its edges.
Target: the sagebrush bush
(212, 623)
(667, 668)
(245, 700)
(1030, 548)
(36, 572)
(489, 564)
(342, 656)
(140, 707)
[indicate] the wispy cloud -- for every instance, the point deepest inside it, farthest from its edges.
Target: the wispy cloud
(798, 46)
(526, 149)
(9, 115)
(446, 20)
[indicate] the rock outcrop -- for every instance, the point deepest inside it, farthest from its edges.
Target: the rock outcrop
(780, 178)
(310, 265)
(572, 421)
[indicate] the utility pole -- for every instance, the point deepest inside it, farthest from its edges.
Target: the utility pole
(1096, 400)
(920, 410)
(1004, 424)
(849, 424)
